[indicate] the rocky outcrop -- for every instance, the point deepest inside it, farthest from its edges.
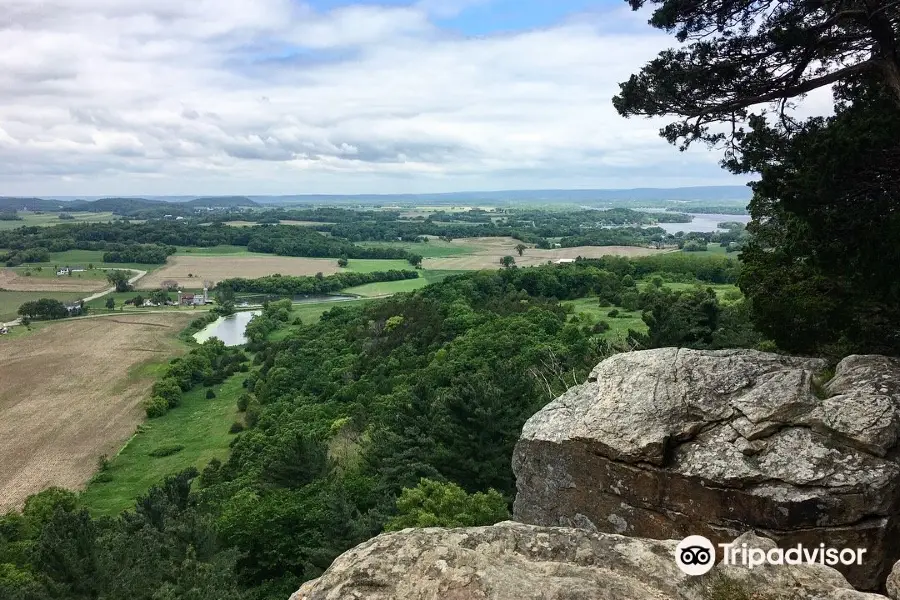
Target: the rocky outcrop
(512, 561)
(671, 442)
(893, 583)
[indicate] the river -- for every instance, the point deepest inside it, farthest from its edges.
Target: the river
(703, 223)
(229, 329)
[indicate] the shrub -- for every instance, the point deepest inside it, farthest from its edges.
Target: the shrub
(243, 402)
(156, 406)
(601, 327)
(613, 313)
(163, 451)
(169, 390)
(236, 427)
(210, 394)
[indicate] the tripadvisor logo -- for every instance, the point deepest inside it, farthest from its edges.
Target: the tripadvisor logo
(696, 555)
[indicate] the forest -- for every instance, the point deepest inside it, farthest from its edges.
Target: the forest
(356, 423)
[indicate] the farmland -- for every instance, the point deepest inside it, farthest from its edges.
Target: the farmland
(189, 271)
(31, 219)
(72, 392)
(487, 252)
(46, 280)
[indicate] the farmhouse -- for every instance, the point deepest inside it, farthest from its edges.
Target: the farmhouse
(194, 299)
(564, 261)
(69, 271)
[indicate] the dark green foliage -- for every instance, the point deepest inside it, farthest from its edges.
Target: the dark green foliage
(236, 427)
(45, 308)
(435, 504)
(685, 318)
(139, 253)
(209, 364)
(119, 278)
(283, 285)
(821, 266)
(163, 451)
(210, 394)
(742, 54)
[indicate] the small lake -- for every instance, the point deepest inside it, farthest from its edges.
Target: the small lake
(229, 329)
(703, 223)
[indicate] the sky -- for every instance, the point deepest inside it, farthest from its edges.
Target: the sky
(131, 97)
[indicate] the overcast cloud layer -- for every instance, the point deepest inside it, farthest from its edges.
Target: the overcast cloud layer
(274, 96)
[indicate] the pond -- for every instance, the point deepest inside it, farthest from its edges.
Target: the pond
(229, 329)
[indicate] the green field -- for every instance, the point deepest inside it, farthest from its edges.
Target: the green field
(42, 272)
(619, 325)
(198, 424)
(430, 249)
(46, 219)
(11, 301)
(386, 288)
(365, 265)
(84, 258)
(722, 290)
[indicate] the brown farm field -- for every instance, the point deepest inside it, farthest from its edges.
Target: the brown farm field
(217, 268)
(73, 391)
(12, 281)
(488, 252)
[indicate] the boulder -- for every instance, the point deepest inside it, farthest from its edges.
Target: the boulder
(893, 583)
(672, 442)
(513, 561)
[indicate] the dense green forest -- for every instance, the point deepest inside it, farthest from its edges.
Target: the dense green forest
(374, 417)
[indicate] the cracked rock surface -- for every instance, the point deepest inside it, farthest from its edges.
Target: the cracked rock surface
(513, 561)
(671, 442)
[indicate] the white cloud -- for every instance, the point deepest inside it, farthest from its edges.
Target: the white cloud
(268, 96)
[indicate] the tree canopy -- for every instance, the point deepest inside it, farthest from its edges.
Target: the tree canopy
(742, 53)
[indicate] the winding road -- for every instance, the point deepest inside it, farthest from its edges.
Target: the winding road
(137, 275)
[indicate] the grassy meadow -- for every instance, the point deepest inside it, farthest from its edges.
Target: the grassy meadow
(198, 425)
(30, 219)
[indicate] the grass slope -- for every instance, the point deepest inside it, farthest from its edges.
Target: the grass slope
(198, 424)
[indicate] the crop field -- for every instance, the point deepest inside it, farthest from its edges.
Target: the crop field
(15, 280)
(191, 271)
(488, 252)
(366, 265)
(73, 391)
(47, 219)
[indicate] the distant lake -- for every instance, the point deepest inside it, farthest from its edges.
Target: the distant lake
(703, 223)
(229, 329)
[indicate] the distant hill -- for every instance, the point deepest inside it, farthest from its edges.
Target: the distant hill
(125, 206)
(8, 204)
(222, 202)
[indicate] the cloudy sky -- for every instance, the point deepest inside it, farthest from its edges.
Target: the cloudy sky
(328, 96)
